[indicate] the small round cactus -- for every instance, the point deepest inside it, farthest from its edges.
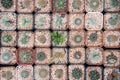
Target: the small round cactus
(25, 21)
(78, 21)
(7, 38)
(59, 73)
(7, 75)
(25, 56)
(76, 4)
(7, 3)
(61, 3)
(94, 4)
(113, 19)
(111, 59)
(43, 73)
(42, 39)
(93, 37)
(24, 39)
(6, 56)
(77, 73)
(77, 38)
(24, 74)
(112, 38)
(94, 75)
(41, 56)
(77, 55)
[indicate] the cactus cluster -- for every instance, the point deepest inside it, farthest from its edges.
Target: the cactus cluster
(94, 75)
(7, 3)
(77, 73)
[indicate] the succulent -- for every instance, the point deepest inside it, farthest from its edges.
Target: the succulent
(6, 38)
(57, 57)
(77, 55)
(7, 75)
(24, 39)
(78, 21)
(25, 21)
(41, 22)
(76, 4)
(24, 74)
(77, 73)
(112, 38)
(93, 37)
(43, 72)
(114, 3)
(7, 3)
(94, 75)
(41, 56)
(111, 59)
(58, 21)
(92, 21)
(42, 39)
(94, 56)
(6, 21)
(6, 56)
(77, 38)
(58, 38)
(42, 3)
(59, 73)
(113, 19)
(113, 76)
(25, 56)
(60, 4)
(94, 4)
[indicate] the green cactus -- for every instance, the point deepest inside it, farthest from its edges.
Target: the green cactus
(112, 38)
(77, 73)
(61, 3)
(25, 57)
(7, 3)
(6, 21)
(41, 56)
(7, 38)
(58, 38)
(58, 21)
(111, 59)
(94, 75)
(25, 21)
(24, 39)
(24, 74)
(93, 37)
(114, 3)
(94, 4)
(41, 22)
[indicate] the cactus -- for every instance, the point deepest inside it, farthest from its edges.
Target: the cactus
(7, 75)
(58, 21)
(93, 37)
(24, 74)
(76, 4)
(94, 4)
(111, 59)
(24, 39)
(7, 3)
(77, 73)
(6, 56)
(59, 73)
(7, 38)
(58, 38)
(41, 56)
(94, 75)
(25, 21)
(77, 21)
(112, 38)
(77, 55)
(25, 57)
(42, 39)
(114, 3)
(6, 21)
(77, 38)
(43, 72)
